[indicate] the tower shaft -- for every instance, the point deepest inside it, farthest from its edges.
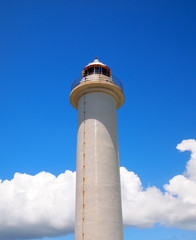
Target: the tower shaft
(98, 197)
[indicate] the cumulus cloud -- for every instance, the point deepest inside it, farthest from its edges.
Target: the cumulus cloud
(37, 206)
(189, 145)
(175, 207)
(43, 205)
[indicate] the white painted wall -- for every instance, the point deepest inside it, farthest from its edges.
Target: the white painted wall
(98, 198)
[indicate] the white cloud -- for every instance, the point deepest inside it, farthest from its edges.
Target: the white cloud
(43, 205)
(189, 145)
(175, 207)
(37, 206)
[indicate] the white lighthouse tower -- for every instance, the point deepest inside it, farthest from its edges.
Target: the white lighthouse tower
(97, 95)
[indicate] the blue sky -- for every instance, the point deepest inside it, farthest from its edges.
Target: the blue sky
(149, 45)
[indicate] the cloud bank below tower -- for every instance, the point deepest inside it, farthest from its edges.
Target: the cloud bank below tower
(175, 207)
(43, 205)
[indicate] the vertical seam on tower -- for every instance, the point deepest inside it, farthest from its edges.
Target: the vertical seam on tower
(84, 158)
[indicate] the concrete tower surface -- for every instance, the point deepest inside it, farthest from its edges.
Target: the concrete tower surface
(97, 95)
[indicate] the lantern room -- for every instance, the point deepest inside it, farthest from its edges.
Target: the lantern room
(96, 67)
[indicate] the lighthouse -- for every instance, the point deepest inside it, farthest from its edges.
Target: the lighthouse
(97, 95)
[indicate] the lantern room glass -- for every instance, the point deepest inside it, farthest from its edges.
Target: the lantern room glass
(96, 70)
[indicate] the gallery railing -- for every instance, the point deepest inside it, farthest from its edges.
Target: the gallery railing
(99, 77)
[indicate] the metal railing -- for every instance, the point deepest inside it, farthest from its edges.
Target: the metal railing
(114, 80)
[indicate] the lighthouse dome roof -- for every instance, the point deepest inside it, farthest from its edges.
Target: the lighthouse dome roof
(96, 62)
